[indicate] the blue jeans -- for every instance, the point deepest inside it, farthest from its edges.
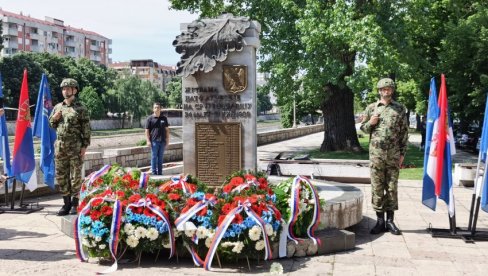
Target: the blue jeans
(157, 152)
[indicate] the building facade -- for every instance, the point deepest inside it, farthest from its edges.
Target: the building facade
(148, 70)
(26, 34)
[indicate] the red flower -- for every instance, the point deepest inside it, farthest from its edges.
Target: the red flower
(134, 184)
(228, 188)
(191, 187)
(236, 180)
(238, 219)
(173, 196)
(120, 194)
(154, 199)
(162, 205)
(96, 202)
(148, 213)
(192, 201)
(185, 209)
(127, 177)
(226, 208)
(107, 210)
(107, 192)
(134, 198)
(95, 215)
(82, 205)
(263, 184)
(124, 203)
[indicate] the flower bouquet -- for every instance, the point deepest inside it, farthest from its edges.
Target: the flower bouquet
(299, 202)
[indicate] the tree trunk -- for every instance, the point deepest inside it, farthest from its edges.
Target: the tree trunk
(339, 125)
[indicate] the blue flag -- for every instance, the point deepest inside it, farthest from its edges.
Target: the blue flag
(4, 147)
(428, 189)
(42, 130)
(483, 151)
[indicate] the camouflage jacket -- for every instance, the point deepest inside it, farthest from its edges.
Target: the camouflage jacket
(74, 125)
(391, 131)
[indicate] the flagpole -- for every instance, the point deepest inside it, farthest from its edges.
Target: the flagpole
(473, 196)
(478, 199)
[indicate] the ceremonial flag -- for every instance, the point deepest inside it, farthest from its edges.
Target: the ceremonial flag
(439, 165)
(483, 191)
(428, 193)
(42, 130)
(24, 165)
(4, 147)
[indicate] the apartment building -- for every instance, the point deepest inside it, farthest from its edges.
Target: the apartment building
(23, 33)
(147, 69)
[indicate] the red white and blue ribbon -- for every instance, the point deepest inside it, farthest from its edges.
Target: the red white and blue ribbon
(177, 179)
(114, 232)
(250, 182)
(219, 234)
(158, 212)
(295, 206)
(143, 180)
(94, 176)
(183, 218)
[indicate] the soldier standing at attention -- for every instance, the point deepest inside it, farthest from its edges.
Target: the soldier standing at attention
(72, 123)
(387, 124)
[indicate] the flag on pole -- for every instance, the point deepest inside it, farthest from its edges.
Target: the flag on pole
(41, 129)
(4, 146)
(483, 191)
(24, 165)
(428, 194)
(439, 164)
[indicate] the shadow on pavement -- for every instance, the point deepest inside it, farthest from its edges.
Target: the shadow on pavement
(12, 234)
(36, 255)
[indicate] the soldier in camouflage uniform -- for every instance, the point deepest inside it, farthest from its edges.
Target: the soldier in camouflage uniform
(72, 123)
(386, 122)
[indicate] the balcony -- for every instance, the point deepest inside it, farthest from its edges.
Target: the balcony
(94, 47)
(70, 43)
(12, 32)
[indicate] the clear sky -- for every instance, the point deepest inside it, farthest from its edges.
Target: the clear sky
(139, 29)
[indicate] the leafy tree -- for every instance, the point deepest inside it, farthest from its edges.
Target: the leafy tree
(263, 100)
(12, 69)
(93, 102)
(173, 90)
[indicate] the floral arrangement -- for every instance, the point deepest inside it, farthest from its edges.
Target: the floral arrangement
(240, 219)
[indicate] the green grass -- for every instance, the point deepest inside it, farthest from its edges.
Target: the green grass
(414, 159)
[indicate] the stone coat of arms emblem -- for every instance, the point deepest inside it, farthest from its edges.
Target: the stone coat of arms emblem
(235, 78)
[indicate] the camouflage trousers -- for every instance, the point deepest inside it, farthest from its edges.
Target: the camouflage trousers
(384, 168)
(68, 173)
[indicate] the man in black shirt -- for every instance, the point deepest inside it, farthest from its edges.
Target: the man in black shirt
(157, 136)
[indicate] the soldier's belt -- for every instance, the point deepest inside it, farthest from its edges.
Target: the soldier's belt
(382, 145)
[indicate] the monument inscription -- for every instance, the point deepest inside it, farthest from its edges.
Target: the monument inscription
(218, 151)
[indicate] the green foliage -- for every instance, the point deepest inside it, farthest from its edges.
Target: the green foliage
(263, 100)
(173, 90)
(88, 96)
(141, 143)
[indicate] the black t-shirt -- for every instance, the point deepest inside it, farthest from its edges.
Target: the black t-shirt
(157, 127)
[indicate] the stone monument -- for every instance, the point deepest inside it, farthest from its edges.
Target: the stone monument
(218, 66)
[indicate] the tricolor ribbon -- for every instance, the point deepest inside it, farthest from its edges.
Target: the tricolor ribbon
(95, 175)
(219, 234)
(177, 179)
(249, 182)
(294, 206)
(114, 232)
(186, 216)
(143, 180)
(158, 212)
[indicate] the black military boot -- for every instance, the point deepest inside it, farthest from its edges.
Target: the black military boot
(380, 224)
(66, 207)
(390, 225)
(74, 206)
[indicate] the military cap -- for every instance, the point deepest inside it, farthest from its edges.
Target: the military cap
(386, 82)
(69, 83)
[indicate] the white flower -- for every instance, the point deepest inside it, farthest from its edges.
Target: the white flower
(86, 242)
(152, 234)
(259, 245)
(202, 232)
(227, 244)
(238, 246)
(190, 233)
(98, 238)
(269, 229)
(129, 229)
(176, 232)
(102, 246)
(255, 233)
(210, 233)
(276, 269)
(140, 232)
(132, 241)
(208, 242)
